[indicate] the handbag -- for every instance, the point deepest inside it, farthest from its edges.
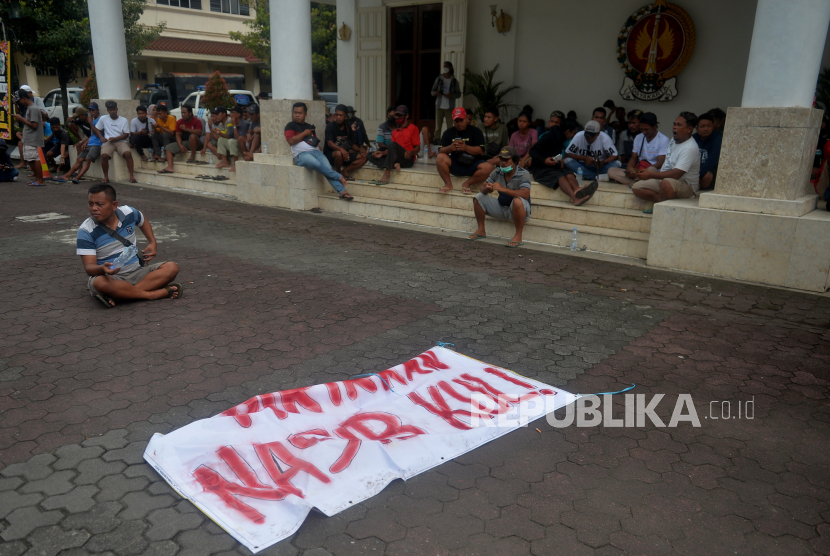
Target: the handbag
(124, 242)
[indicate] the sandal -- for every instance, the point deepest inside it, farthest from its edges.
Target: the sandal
(346, 197)
(514, 244)
(107, 301)
(588, 190)
(190, 161)
(35, 184)
(475, 237)
(165, 171)
(133, 180)
(582, 201)
(145, 159)
(646, 211)
(221, 178)
(467, 191)
(171, 291)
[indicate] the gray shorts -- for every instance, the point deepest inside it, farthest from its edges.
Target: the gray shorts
(174, 147)
(133, 277)
(492, 207)
(91, 153)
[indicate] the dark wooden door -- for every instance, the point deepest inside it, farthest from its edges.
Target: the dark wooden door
(416, 60)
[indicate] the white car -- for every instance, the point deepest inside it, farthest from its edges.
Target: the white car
(54, 101)
(193, 101)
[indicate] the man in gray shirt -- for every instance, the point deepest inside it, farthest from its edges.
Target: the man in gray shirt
(32, 124)
(512, 183)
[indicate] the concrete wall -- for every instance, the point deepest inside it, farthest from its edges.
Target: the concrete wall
(565, 54)
(194, 24)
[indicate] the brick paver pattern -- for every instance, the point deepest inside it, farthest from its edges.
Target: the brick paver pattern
(278, 299)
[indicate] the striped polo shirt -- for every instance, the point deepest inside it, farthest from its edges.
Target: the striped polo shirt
(94, 240)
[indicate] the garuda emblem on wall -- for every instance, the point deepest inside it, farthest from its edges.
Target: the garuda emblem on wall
(655, 44)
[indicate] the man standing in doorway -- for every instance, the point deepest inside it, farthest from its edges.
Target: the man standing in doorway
(446, 91)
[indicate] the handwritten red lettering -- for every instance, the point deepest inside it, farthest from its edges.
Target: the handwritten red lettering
(508, 378)
(269, 401)
(241, 411)
(358, 424)
(440, 408)
(292, 398)
(307, 439)
(365, 382)
(389, 375)
(334, 393)
(211, 481)
(269, 453)
(431, 360)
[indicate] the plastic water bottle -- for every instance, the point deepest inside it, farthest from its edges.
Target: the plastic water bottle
(210, 157)
(162, 152)
(425, 154)
(125, 256)
(579, 178)
(265, 148)
(574, 240)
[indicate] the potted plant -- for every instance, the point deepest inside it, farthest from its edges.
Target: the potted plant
(481, 86)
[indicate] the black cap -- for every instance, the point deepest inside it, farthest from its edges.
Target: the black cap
(219, 110)
(253, 109)
(238, 109)
(403, 110)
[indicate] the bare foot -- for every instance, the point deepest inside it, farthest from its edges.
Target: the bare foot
(222, 165)
(398, 166)
(446, 189)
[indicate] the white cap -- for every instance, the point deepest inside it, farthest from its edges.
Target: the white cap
(27, 88)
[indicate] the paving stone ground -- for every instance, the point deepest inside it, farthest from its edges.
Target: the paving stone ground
(278, 299)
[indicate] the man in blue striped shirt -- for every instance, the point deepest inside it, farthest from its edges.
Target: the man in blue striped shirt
(98, 249)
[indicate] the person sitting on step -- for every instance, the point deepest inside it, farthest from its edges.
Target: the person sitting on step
(462, 154)
(523, 139)
(341, 146)
(625, 144)
(495, 135)
(402, 150)
(104, 236)
(512, 183)
(384, 134)
(91, 147)
(164, 133)
(548, 166)
(680, 174)
(305, 148)
(593, 152)
(141, 132)
(189, 131)
(648, 152)
(115, 130)
(709, 141)
(217, 129)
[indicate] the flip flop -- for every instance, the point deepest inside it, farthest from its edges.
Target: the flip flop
(582, 201)
(59, 180)
(646, 211)
(588, 190)
(190, 161)
(76, 181)
(510, 245)
(200, 162)
(34, 184)
(133, 180)
(346, 197)
(475, 237)
(379, 182)
(164, 171)
(171, 291)
(104, 300)
(221, 178)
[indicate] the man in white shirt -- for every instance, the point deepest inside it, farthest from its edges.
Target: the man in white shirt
(113, 131)
(678, 178)
(649, 152)
(141, 132)
(593, 151)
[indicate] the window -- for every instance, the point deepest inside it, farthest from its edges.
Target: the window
(192, 4)
(49, 101)
(230, 7)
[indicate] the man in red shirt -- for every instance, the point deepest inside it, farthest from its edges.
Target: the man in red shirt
(401, 152)
(189, 137)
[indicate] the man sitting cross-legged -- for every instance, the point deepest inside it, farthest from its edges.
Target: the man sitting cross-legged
(341, 146)
(462, 154)
(678, 178)
(512, 183)
(647, 153)
(593, 151)
(402, 150)
(549, 169)
(114, 130)
(305, 148)
(189, 137)
(102, 238)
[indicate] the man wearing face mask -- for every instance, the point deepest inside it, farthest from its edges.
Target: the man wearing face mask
(512, 183)
(402, 150)
(445, 90)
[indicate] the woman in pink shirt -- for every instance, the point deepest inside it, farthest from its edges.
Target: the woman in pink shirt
(524, 139)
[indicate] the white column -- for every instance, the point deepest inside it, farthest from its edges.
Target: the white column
(346, 54)
(291, 49)
(109, 49)
(785, 56)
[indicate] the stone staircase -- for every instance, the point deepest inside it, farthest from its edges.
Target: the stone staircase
(185, 174)
(611, 222)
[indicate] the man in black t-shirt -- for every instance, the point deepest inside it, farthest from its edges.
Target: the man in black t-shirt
(341, 146)
(462, 154)
(60, 142)
(81, 126)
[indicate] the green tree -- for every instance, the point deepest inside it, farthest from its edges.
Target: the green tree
(323, 35)
(216, 93)
(55, 34)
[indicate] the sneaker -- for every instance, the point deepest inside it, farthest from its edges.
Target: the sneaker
(14, 178)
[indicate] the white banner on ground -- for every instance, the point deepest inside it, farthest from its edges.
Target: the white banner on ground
(257, 469)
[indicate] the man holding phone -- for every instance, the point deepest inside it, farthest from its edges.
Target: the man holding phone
(462, 154)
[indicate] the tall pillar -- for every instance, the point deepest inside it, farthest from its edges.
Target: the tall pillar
(346, 54)
(109, 49)
(291, 49)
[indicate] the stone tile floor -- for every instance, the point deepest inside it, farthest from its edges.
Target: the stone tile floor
(279, 299)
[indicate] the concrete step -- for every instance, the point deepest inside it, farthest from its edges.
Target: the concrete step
(182, 167)
(180, 180)
(552, 210)
(603, 240)
(609, 194)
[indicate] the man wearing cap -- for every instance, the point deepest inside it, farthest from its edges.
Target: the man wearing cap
(254, 132)
(512, 183)
(462, 154)
(164, 133)
(32, 135)
(593, 151)
(680, 174)
(305, 148)
(37, 100)
(141, 131)
(341, 146)
(91, 147)
(402, 150)
(115, 130)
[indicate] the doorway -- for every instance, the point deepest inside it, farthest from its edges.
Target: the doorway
(416, 60)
